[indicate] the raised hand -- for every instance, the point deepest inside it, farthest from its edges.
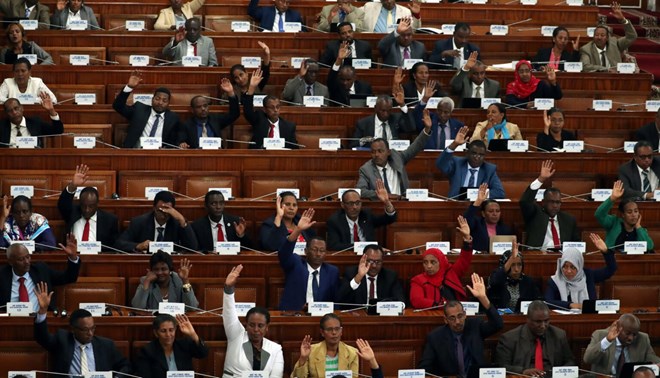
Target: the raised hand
(464, 228)
(344, 51)
(366, 353)
(303, 69)
(264, 47)
(363, 268)
(279, 208)
(547, 170)
(184, 270)
(616, 11)
(461, 136)
(180, 34)
(472, 60)
(306, 347)
(232, 277)
(404, 24)
(80, 176)
(43, 296)
(399, 75)
(6, 208)
(598, 242)
(614, 330)
(255, 79)
(576, 43)
(429, 89)
(227, 87)
(617, 191)
(71, 247)
(305, 221)
(47, 103)
(240, 227)
(426, 119)
(381, 192)
(478, 289)
(482, 194)
(135, 79)
(552, 75)
(398, 94)
(186, 327)
(415, 8)
(546, 122)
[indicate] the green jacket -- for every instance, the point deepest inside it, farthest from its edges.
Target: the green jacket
(613, 226)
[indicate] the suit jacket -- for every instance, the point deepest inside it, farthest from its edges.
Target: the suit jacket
(39, 272)
(516, 348)
(315, 366)
(138, 115)
(202, 229)
(391, 54)
(296, 275)
(457, 168)
(142, 228)
(151, 298)
(478, 230)
(266, 15)
(166, 17)
(498, 289)
(205, 49)
(447, 44)
(7, 56)
(295, 89)
(106, 223)
(388, 287)
(543, 55)
(272, 237)
(432, 142)
(362, 51)
(339, 235)
(35, 126)
(356, 16)
(461, 85)
(536, 221)
(601, 361)
(372, 11)
(364, 127)
(61, 348)
(590, 57)
(216, 121)
(369, 172)
(59, 18)
(151, 363)
(16, 9)
(261, 125)
(339, 94)
(649, 133)
(439, 356)
(632, 182)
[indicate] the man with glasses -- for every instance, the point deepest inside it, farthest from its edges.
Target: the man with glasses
(470, 171)
(640, 176)
(369, 281)
(353, 223)
(534, 348)
(458, 347)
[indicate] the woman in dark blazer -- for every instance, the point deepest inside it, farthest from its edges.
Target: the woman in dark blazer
(560, 51)
(484, 218)
(272, 232)
(508, 285)
(418, 78)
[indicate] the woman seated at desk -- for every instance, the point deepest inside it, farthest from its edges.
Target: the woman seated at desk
(555, 56)
(23, 83)
(487, 223)
(508, 285)
(553, 135)
(20, 223)
(17, 44)
(521, 92)
(277, 227)
(496, 126)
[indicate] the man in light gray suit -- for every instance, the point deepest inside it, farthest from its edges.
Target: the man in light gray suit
(399, 45)
(389, 166)
(604, 350)
(59, 19)
(305, 84)
(471, 81)
(30, 9)
(188, 41)
(343, 11)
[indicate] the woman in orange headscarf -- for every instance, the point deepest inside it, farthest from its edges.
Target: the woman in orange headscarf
(526, 87)
(441, 281)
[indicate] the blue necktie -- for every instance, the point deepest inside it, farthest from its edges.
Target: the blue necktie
(280, 23)
(154, 128)
(342, 15)
(472, 182)
(315, 285)
(27, 12)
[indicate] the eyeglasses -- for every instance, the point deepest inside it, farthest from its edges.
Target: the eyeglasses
(333, 329)
(374, 262)
(455, 318)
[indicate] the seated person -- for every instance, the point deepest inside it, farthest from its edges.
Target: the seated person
(496, 126)
(641, 175)
(177, 12)
(400, 45)
(176, 352)
(23, 83)
(70, 10)
(218, 226)
(189, 41)
(341, 12)
(605, 51)
(443, 126)
(276, 227)
(305, 84)
(382, 16)
(560, 52)
(526, 87)
(163, 223)
(452, 52)
(384, 124)
(573, 283)
(358, 49)
(508, 285)
(16, 125)
(26, 9)
(20, 223)
(163, 284)
(441, 281)
(650, 132)
(316, 359)
(342, 82)
(471, 81)
(240, 78)
(625, 227)
(484, 218)
(553, 135)
(416, 86)
(272, 18)
(17, 44)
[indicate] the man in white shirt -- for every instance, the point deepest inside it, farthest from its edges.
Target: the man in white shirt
(640, 176)
(16, 125)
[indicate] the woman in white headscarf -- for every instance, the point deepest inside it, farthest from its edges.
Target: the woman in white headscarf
(572, 283)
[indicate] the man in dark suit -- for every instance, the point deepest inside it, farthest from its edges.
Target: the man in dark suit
(359, 49)
(164, 223)
(650, 132)
(29, 9)
(17, 125)
(310, 279)
(218, 226)
(443, 127)
(384, 124)
(267, 123)
(156, 120)
(78, 350)
(517, 350)
(470, 171)
(342, 83)
(353, 223)
(641, 175)
(458, 347)
(451, 52)
(541, 221)
(471, 81)
(369, 281)
(203, 124)
(399, 45)
(272, 18)
(86, 221)
(19, 277)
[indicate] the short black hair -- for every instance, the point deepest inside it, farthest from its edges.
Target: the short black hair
(462, 26)
(348, 191)
(269, 98)
(537, 305)
(192, 100)
(374, 247)
(342, 24)
(313, 239)
(210, 193)
(477, 143)
(161, 257)
(21, 199)
(500, 106)
(22, 61)
(165, 196)
(452, 303)
(551, 191)
(162, 318)
(414, 69)
(288, 193)
(559, 29)
(77, 315)
(89, 190)
(163, 90)
(327, 317)
(642, 143)
(387, 144)
(626, 201)
(554, 110)
(258, 310)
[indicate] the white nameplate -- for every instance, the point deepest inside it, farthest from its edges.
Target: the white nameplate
(340, 191)
(574, 3)
(652, 105)
(524, 305)
(602, 105)
(180, 374)
(625, 68)
(656, 195)
(448, 29)
(472, 194)
(29, 24)
(433, 102)
(358, 247)
(590, 31)
(240, 26)
(488, 101)
(580, 246)
(443, 246)
(371, 101)
(26, 141)
(273, 143)
(654, 367)
(295, 191)
(155, 246)
(210, 143)
(565, 372)
(528, 2)
(89, 247)
(77, 25)
(517, 145)
(254, 374)
(26, 374)
(19, 308)
(361, 64)
(251, 61)
(471, 308)
(85, 98)
(499, 29)
(320, 308)
(408, 63)
(460, 148)
(151, 143)
(227, 248)
(607, 306)
(134, 25)
(296, 61)
(27, 98)
(151, 191)
(138, 60)
(226, 192)
(292, 27)
(573, 66)
(28, 244)
(544, 103)
(243, 307)
(547, 30)
(172, 308)
(412, 373)
(313, 101)
(500, 247)
(79, 59)
(635, 247)
(191, 61)
(258, 101)
(417, 194)
(478, 1)
(390, 308)
(339, 373)
(21, 190)
(329, 144)
(600, 195)
(573, 145)
(299, 248)
(629, 146)
(399, 144)
(491, 373)
(98, 374)
(97, 309)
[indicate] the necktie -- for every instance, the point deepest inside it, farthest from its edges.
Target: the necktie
(372, 290)
(356, 233)
(472, 181)
(84, 369)
(315, 285)
(460, 357)
(280, 23)
(555, 234)
(477, 92)
(194, 45)
(603, 60)
(271, 131)
(384, 126)
(620, 361)
(22, 290)
(390, 19)
(18, 131)
(342, 15)
(85, 235)
(221, 235)
(27, 12)
(406, 53)
(204, 132)
(538, 355)
(309, 91)
(646, 184)
(387, 185)
(161, 234)
(154, 128)
(441, 137)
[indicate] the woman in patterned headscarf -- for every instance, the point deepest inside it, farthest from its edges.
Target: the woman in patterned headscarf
(508, 285)
(20, 223)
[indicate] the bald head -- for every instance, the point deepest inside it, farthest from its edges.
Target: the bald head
(18, 257)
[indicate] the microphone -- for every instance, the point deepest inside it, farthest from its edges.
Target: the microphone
(216, 98)
(115, 249)
(325, 197)
(596, 373)
(598, 251)
(188, 249)
(103, 60)
(295, 144)
(342, 250)
(117, 27)
(239, 141)
(201, 310)
(55, 135)
(262, 252)
(125, 374)
(323, 64)
(556, 306)
(264, 196)
(429, 308)
(107, 144)
(318, 30)
(181, 195)
(439, 64)
(56, 373)
(518, 106)
(8, 144)
(520, 22)
(163, 61)
(616, 149)
(205, 28)
(520, 374)
(577, 196)
(291, 102)
(597, 146)
(48, 246)
(63, 101)
(356, 308)
(206, 375)
(538, 148)
(53, 25)
(131, 308)
(443, 197)
(383, 64)
(337, 102)
(171, 145)
(540, 248)
(542, 61)
(405, 249)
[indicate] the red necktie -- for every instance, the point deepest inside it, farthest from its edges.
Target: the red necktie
(372, 283)
(538, 355)
(221, 236)
(555, 234)
(356, 234)
(85, 235)
(271, 132)
(22, 290)
(194, 48)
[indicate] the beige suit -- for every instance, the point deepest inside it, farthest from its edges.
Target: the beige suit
(356, 17)
(372, 11)
(315, 365)
(590, 57)
(514, 132)
(601, 361)
(166, 17)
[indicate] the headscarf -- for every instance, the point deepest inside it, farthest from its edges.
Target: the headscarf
(517, 87)
(35, 227)
(577, 287)
(444, 275)
(505, 257)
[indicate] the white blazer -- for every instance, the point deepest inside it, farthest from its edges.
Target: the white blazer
(372, 11)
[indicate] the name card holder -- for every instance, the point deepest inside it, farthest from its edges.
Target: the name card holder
(21, 190)
(227, 248)
(412, 373)
(607, 306)
(361, 64)
(138, 60)
(172, 308)
(625, 68)
(573, 66)
(26, 142)
(544, 103)
(600, 195)
(444, 246)
(358, 247)
(329, 144)
(471, 308)
(500, 247)
(96, 308)
(408, 63)
(151, 191)
(251, 61)
(292, 27)
(210, 143)
(240, 26)
(390, 308)
(602, 105)
(414, 195)
(243, 307)
(573, 146)
(295, 191)
(89, 247)
(320, 308)
(635, 247)
(19, 308)
(580, 246)
(85, 98)
(399, 144)
(151, 143)
(29, 24)
(313, 101)
(652, 105)
(499, 29)
(191, 61)
(273, 143)
(565, 372)
(167, 247)
(134, 25)
(517, 145)
(79, 59)
(547, 30)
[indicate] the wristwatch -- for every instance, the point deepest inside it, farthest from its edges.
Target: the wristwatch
(187, 287)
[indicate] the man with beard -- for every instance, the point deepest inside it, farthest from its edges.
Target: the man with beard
(358, 49)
